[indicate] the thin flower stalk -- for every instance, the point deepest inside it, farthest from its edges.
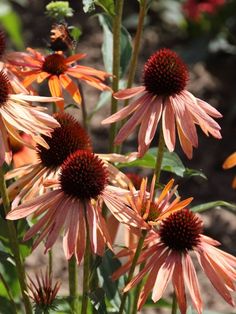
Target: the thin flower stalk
(115, 65)
(15, 246)
(73, 286)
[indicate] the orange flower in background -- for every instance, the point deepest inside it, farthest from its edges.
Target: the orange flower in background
(143, 210)
(194, 8)
(230, 162)
(16, 114)
(74, 206)
(163, 94)
(168, 259)
(57, 70)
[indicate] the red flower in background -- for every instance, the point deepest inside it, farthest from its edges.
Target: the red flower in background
(194, 8)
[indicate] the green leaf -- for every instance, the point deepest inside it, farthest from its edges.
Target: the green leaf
(6, 306)
(162, 303)
(88, 6)
(109, 264)
(11, 22)
(194, 173)
(125, 45)
(204, 207)
(170, 163)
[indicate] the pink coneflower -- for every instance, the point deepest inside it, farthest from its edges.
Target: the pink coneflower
(16, 114)
(65, 140)
(143, 210)
(163, 94)
(230, 162)
(194, 8)
(57, 70)
(167, 257)
(82, 186)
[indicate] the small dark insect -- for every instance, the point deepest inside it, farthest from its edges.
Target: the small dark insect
(60, 38)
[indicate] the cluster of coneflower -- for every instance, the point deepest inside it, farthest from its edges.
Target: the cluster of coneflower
(68, 186)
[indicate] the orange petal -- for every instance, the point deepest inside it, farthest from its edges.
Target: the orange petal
(230, 161)
(71, 87)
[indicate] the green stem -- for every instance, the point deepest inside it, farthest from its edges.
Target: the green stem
(72, 271)
(137, 292)
(115, 66)
(50, 261)
(137, 41)
(83, 108)
(15, 245)
(86, 270)
(14, 309)
(132, 268)
(174, 304)
(160, 154)
(134, 57)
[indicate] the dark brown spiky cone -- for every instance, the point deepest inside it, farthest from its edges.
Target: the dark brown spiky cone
(2, 43)
(64, 140)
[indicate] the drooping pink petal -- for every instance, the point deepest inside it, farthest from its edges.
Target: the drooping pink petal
(71, 230)
(185, 143)
(62, 212)
(163, 277)
(214, 277)
(149, 125)
(130, 125)
(81, 240)
(30, 206)
(178, 283)
(2, 150)
(209, 109)
(191, 280)
(184, 119)
(92, 224)
(126, 111)
(128, 93)
(168, 126)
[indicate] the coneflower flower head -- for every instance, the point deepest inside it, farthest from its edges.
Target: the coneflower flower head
(43, 292)
(163, 96)
(54, 64)
(64, 140)
(165, 73)
(83, 175)
(181, 230)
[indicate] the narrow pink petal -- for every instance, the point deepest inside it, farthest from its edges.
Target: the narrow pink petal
(34, 98)
(209, 109)
(185, 144)
(126, 111)
(80, 70)
(81, 240)
(214, 277)
(149, 125)
(184, 119)
(168, 126)
(148, 286)
(62, 212)
(128, 93)
(71, 234)
(178, 282)
(92, 224)
(163, 277)
(191, 280)
(130, 125)
(30, 206)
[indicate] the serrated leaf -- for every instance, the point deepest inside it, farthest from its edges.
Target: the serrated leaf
(125, 45)
(210, 205)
